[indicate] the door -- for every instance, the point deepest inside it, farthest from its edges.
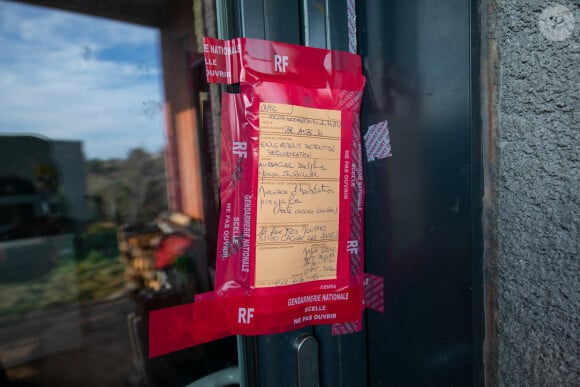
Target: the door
(422, 207)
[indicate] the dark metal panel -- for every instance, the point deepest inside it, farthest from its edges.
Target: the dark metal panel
(337, 22)
(325, 24)
(228, 16)
(418, 230)
(420, 210)
(282, 21)
(477, 185)
(252, 18)
(277, 359)
(267, 360)
(314, 14)
(342, 358)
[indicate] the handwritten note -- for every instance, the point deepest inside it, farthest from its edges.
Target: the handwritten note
(298, 194)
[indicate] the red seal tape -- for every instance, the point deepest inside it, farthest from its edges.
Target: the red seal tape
(290, 250)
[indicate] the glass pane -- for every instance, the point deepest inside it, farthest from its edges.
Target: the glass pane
(91, 238)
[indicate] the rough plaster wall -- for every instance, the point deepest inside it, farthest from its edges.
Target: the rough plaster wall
(532, 198)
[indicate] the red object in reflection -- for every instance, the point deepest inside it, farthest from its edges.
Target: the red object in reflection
(170, 248)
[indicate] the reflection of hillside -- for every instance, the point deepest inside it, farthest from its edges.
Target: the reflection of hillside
(127, 190)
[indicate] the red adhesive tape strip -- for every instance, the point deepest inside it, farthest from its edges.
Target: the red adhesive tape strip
(290, 251)
(179, 327)
(374, 299)
(374, 292)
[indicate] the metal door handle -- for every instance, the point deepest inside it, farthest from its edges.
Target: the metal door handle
(307, 371)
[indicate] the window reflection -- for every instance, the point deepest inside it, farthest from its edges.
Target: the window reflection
(89, 240)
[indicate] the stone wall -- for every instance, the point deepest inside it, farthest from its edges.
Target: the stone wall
(530, 66)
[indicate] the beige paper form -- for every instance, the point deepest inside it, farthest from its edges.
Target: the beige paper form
(298, 194)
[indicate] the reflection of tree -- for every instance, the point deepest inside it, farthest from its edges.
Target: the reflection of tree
(128, 190)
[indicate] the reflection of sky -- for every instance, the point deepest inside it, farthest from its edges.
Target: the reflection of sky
(74, 77)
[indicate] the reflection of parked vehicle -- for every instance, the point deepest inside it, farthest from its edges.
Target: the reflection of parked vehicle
(37, 250)
(30, 218)
(28, 185)
(25, 260)
(25, 252)
(41, 204)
